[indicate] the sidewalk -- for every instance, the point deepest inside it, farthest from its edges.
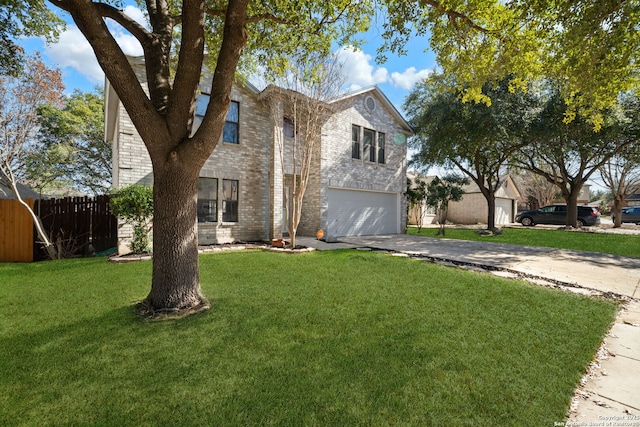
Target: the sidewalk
(610, 392)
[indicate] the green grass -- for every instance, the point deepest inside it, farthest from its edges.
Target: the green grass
(336, 338)
(616, 244)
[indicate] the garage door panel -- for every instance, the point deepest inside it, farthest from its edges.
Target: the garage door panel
(362, 213)
(504, 214)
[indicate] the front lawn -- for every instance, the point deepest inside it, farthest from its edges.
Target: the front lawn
(336, 338)
(616, 244)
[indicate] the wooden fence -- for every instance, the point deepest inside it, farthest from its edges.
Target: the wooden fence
(78, 226)
(16, 232)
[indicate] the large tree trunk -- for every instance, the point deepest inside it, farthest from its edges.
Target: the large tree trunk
(572, 207)
(491, 207)
(176, 283)
(617, 209)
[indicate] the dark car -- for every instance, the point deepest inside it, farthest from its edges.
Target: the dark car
(557, 214)
(631, 214)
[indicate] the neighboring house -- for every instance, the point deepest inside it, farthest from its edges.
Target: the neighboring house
(633, 200)
(25, 192)
(472, 209)
(356, 182)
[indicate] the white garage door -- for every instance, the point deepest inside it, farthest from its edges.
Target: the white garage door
(362, 213)
(504, 211)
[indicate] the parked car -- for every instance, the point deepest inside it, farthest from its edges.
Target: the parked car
(631, 214)
(557, 214)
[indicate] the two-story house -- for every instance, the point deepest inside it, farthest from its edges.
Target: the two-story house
(357, 177)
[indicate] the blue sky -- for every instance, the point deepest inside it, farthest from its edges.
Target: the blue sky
(73, 55)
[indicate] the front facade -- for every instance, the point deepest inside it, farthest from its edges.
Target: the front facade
(357, 177)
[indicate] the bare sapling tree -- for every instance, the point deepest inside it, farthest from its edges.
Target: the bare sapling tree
(21, 96)
(299, 108)
(538, 191)
(416, 196)
(621, 174)
(440, 192)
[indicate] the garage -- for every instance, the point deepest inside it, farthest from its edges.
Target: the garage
(504, 211)
(362, 213)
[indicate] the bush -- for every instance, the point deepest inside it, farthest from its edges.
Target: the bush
(134, 205)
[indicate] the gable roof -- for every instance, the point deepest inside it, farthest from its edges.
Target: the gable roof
(503, 181)
(25, 192)
(375, 90)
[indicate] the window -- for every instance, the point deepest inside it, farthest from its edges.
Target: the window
(381, 145)
(288, 127)
(207, 200)
(229, 200)
(368, 149)
(374, 145)
(201, 107)
(232, 125)
(355, 142)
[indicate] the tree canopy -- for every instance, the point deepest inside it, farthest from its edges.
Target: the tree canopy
(71, 146)
(475, 138)
(20, 18)
(590, 46)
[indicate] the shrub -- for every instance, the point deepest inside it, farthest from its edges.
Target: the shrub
(134, 205)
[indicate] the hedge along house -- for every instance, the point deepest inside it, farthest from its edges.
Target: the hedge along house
(357, 179)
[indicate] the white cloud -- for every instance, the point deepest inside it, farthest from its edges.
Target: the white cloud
(137, 15)
(358, 70)
(409, 77)
(72, 50)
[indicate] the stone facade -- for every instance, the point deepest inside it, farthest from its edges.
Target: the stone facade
(255, 164)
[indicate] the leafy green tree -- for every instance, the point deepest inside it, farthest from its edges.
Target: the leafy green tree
(568, 154)
(441, 191)
(475, 138)
(592, 46)
(72, 147)
(134, 205)
(621, 173)
(237, 35)
(19, 18)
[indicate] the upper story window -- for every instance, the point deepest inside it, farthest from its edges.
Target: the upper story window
(207, 200)
(230, 133)
(373, 145)
(368, 145)
(231, 129)
(355, 142)
(381, 147)
(288, 127)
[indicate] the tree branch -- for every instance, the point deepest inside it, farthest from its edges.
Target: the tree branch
(455, 16)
